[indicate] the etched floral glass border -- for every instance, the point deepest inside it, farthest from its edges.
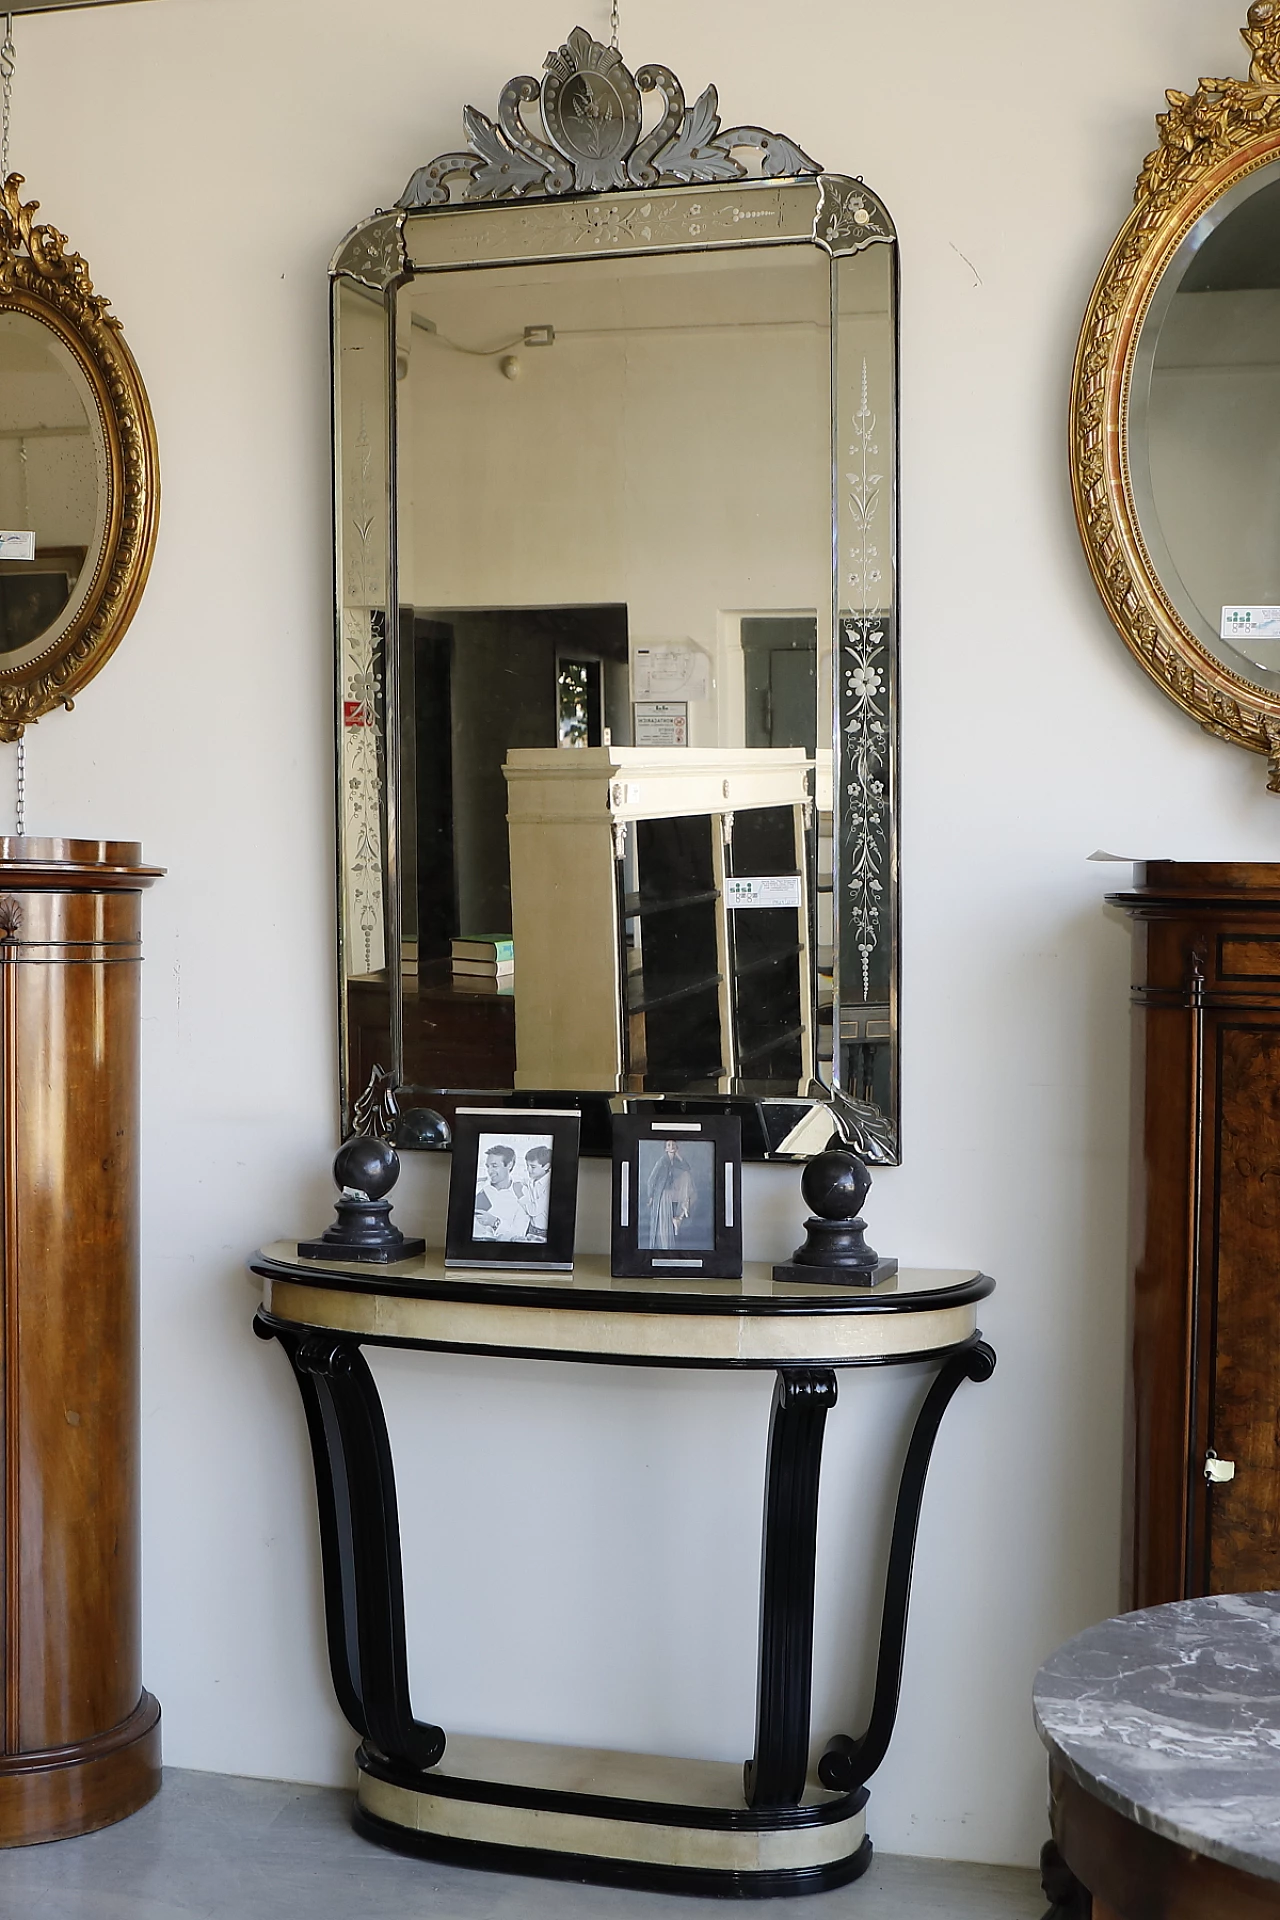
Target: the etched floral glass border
(866, 861)
(362, 527)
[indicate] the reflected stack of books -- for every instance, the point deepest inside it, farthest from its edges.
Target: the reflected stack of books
(484, 963)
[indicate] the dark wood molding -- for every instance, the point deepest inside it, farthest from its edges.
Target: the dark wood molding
(1205, 1227)
(1140, 1875)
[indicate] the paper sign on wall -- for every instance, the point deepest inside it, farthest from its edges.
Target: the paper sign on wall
(670, 670)
(661, 723)
(763, 890)
(17, 546)
(1250, 623)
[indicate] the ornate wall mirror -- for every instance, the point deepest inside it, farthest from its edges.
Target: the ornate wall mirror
(613, 385)
(1176, 406)
(79, 483)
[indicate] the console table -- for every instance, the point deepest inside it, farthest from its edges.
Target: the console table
(632, 1819)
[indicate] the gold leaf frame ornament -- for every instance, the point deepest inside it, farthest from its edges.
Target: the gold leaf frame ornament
(1209, 141)
(39, 277)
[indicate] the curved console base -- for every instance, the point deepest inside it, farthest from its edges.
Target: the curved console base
(615, 1819)
(64, 1791)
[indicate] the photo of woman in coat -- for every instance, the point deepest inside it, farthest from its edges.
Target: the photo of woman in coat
(677, 1194)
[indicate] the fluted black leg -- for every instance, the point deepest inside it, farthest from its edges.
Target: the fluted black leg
(775, 1777)
(849, 1763)
(359, 1541)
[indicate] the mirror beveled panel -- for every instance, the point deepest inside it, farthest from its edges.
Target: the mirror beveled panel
(603, 692)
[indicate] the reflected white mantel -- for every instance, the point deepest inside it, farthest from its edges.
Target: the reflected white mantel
(569, 811)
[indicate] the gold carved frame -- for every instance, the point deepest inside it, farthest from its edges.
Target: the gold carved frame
(1209, 140)
(39, 277)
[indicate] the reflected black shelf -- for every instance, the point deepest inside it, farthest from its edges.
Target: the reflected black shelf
(770, 959)
(762, 1050)
(639, 905)
(657, 1000)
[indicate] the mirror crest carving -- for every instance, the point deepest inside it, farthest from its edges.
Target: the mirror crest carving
(591, 112)
(1210, 142)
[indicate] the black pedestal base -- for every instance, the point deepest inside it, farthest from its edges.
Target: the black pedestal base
(806, 1276)
(362, 1231)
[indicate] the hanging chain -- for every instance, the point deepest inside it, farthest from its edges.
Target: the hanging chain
(613, 42)
(8, 61)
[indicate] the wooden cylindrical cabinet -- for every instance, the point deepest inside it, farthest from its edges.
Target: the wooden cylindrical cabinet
(81, 1738)
(1203, 1465)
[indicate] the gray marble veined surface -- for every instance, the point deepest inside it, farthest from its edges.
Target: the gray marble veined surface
(1172, 1717)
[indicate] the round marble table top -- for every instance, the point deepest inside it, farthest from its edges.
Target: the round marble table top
(1172, 1717)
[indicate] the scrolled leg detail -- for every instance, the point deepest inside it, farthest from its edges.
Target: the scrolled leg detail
(359, 1542)
(847, 1762)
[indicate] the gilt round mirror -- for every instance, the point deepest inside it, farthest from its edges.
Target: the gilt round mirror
(79, 488)
(1176, 407)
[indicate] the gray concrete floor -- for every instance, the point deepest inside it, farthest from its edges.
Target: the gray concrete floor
(214, 1847)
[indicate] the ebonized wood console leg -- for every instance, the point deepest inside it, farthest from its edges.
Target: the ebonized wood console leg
(801, 1402)
(359, 1542)
(849, 1763)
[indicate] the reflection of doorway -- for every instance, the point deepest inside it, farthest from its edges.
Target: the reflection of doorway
(780, 680)
(477, 682)
(580, 702)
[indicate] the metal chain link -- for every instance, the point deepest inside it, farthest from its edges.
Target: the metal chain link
(8, 62)
(613, 23)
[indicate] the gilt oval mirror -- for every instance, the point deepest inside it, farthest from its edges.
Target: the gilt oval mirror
(617, 740)
(79, 487)
(1176, 406)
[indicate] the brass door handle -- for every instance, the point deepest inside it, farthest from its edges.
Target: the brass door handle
(1218, 1472)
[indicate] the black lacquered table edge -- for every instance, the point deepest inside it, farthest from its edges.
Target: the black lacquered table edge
(364, 1594)
(673, 1297)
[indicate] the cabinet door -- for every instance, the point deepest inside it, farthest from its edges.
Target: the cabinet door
(1240, 1244)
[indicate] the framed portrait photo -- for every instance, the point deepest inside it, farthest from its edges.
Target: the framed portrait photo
(513, 1190)
(677, 1197)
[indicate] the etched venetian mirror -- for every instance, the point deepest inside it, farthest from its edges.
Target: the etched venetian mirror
(1176, 406)
(79, 486)
(615, 470)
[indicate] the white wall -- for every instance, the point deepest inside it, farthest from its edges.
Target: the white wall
(585, 1541)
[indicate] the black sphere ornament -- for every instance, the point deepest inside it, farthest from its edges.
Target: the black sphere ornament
(835, 1184)
(424, 1129)
(834, 1252)
(366, 1170)
(367, 1167)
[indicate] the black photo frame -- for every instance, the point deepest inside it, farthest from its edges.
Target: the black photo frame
(496, 1175)
(677, 1197)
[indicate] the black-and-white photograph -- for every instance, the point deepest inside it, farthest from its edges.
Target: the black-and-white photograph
(677, 1197)
(677, 1182)
(513, 1189)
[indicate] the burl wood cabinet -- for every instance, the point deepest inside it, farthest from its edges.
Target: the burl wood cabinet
(1204, 1416)
(80, 1743)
